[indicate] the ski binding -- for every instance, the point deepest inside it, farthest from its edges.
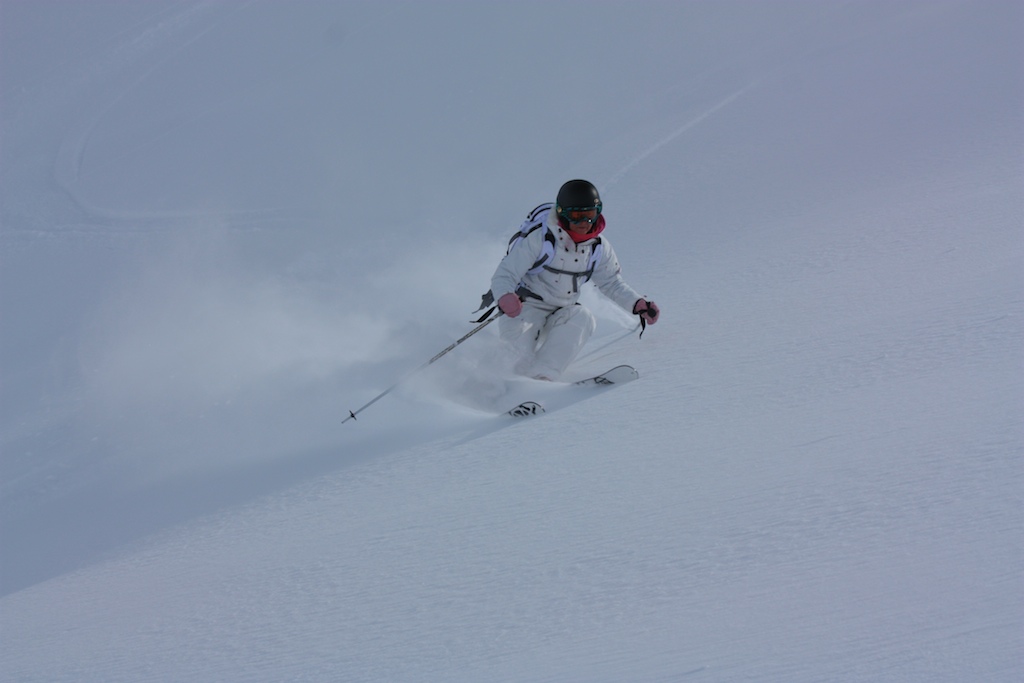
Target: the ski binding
(526, 409)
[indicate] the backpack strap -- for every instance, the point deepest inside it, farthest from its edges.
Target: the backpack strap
(536, 220)
(579, 278)
(595, 257)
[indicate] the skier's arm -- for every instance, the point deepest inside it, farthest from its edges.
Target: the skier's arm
(608, 278)
(513, 267)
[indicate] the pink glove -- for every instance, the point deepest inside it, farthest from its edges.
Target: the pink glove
(647, 310)
(510, 305)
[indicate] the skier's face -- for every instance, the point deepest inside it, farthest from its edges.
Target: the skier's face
(581, 220)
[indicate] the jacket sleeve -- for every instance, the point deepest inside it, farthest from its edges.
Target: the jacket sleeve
(513, 267)
(608, 278)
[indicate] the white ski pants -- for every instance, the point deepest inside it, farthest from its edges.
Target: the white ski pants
(547, 340)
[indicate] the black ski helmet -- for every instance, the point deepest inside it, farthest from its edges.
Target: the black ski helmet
(577, 194)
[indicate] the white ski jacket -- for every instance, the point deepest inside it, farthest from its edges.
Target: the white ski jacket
(550, 265)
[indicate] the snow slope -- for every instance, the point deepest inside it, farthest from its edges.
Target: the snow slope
(226, 224)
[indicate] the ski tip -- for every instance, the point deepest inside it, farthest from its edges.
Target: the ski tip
(620, 374)
(526, 409)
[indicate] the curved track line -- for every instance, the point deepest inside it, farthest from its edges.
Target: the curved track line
(618, 175)
(67, 167)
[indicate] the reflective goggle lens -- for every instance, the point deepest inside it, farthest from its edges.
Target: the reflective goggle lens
(586, 214)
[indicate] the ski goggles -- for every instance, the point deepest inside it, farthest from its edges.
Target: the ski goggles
(580, 214)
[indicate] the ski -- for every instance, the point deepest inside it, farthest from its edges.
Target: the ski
(620, 374)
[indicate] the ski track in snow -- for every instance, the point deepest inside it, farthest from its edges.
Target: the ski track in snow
(673, 135)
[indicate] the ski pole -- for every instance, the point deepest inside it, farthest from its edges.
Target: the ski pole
(593, 352)
(352, 413)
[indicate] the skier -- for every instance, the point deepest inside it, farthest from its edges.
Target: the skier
(558, 248)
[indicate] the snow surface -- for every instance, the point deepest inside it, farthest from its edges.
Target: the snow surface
(226, 224)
